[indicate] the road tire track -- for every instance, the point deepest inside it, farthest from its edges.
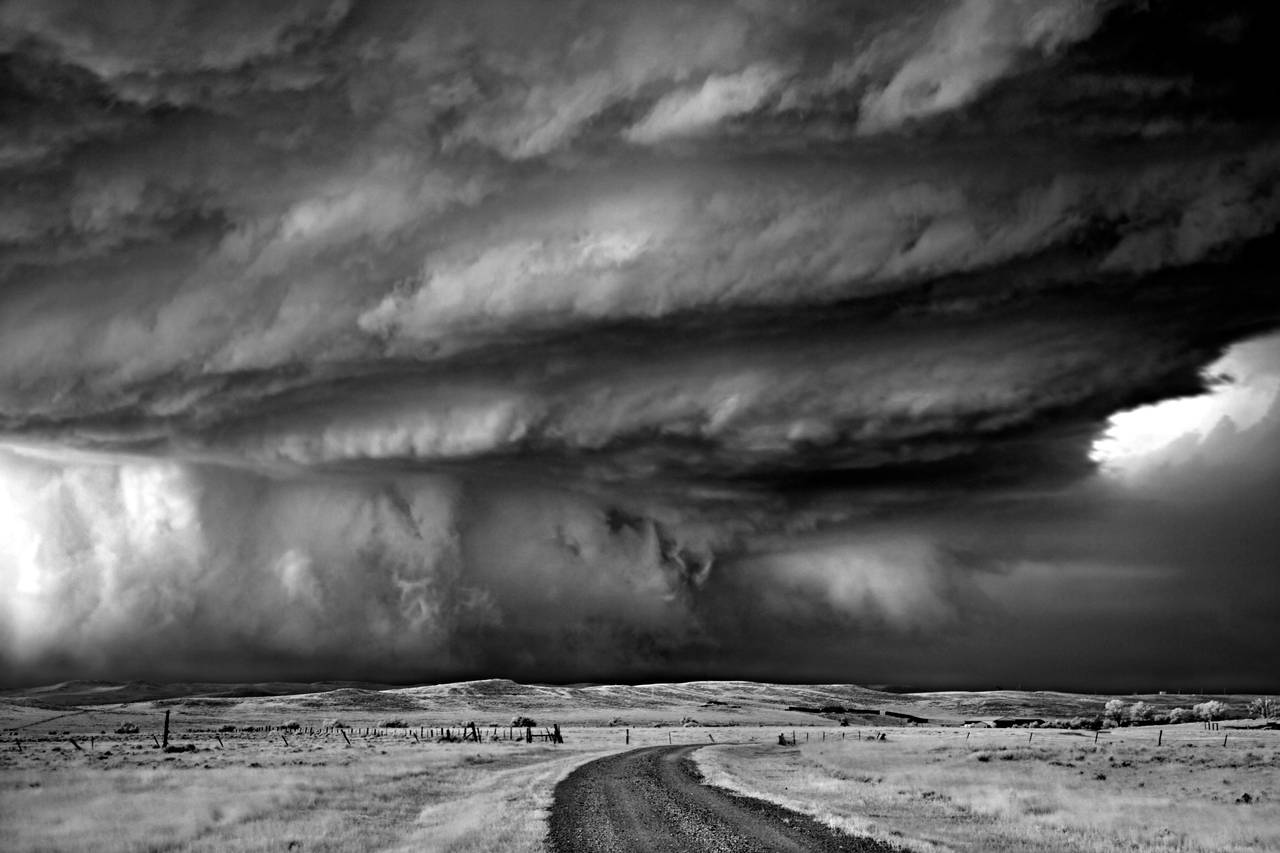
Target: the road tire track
(653, 800)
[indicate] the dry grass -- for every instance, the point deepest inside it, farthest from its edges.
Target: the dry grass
(318, 794)
(259, 795)
(931, 789)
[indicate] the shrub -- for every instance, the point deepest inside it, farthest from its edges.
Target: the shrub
(1141, 712)
(521, 722)
(1211, 710)
(1264, 708)
(396, 723)
(292, 725)
(127, 729)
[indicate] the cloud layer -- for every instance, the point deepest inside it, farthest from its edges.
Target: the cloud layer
(542, 339)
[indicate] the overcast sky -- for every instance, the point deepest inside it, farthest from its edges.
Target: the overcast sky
(570, 341)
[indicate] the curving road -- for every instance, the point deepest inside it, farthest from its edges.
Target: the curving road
(653, 800)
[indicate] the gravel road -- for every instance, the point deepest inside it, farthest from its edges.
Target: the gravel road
(653, 800)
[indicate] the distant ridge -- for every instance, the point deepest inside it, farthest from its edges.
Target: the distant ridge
(726, 701)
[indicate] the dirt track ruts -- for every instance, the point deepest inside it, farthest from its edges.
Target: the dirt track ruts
(653, 800)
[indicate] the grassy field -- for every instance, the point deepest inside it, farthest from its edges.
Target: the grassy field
(254, 793)
(932, 789)
(80, 769)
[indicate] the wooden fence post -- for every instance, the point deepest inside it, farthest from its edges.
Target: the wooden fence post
(1160, 737)
(166, 730)
(628, 737)
(528, 734)
(343, 732)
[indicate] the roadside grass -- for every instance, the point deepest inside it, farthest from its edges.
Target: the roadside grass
(317, 794)
(438, 797)
(931, 789)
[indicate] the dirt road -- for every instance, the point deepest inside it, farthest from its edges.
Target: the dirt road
(652, 800)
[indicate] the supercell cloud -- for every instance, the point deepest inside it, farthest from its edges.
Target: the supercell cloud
(573, 340)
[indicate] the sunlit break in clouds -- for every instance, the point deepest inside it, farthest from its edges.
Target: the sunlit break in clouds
(927, 343)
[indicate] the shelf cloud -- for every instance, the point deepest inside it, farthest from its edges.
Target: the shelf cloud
(564, 341)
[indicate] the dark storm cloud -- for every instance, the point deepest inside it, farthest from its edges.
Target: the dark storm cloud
(592, 323)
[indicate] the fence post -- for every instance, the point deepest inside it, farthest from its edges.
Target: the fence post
(166, 730)
(528, 734)
(628, 737)
(1160, 737)
(343, 732)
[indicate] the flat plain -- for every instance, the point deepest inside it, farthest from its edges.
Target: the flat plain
(259, 767)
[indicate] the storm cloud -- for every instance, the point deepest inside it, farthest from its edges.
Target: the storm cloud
(588, 340)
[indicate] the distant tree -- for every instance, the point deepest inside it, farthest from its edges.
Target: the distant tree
(1181, 715)
(1211, 710)
(1141, 712)
(1114, 711)
(1264, 707)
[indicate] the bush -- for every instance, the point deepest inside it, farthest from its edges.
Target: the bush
(292, 725)
(521, 722)
(1181, 715)
(1264, 708)
(334, 724)
(1141, 712)
(227, 728)
(127, 729)
(393, 724)
(1211, 710)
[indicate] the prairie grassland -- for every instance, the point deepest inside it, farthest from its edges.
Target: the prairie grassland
(317, 794)
(992, 790)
